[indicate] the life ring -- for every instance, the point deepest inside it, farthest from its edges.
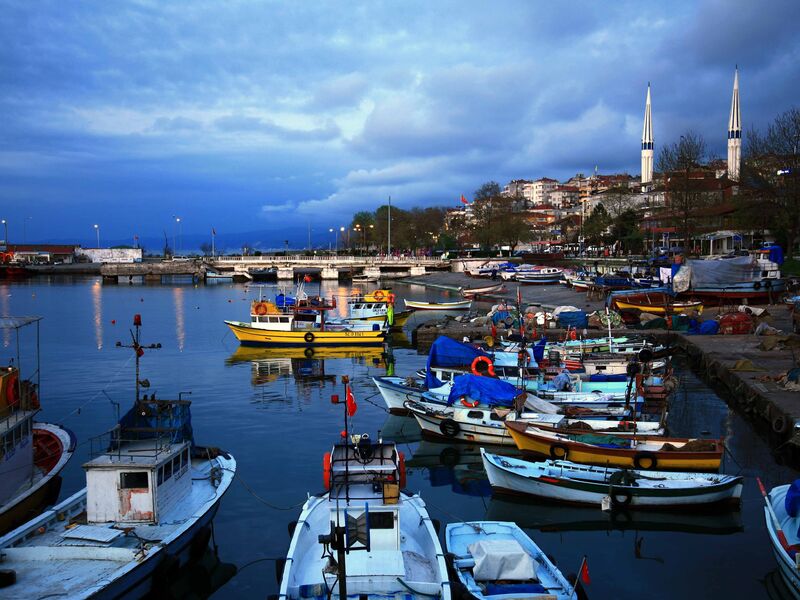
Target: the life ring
(472, 404)
(780, 424)
(326, 470)
(489, 366)
(757, 285)
(640, 457)
(378, 295)
(572, 335)
(12, 399)
(620, 496)
(308, 352)
(308, 337)
(556, 455)
(260, 308)
(401, 468)
(449, 428)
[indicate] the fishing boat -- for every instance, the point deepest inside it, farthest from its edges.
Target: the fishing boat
(32, 453)
(783, 527)
(581, 285)
(738, 278)
(303, 324)
(147, 507)
(488, 268)
(495, 559)
(644, 453)
(364, 536)
(657, 303)
(364, 279)
(489, 289)
(461, 305)
(569, 482)
(376, 306)
(542, 275)
(219, 276)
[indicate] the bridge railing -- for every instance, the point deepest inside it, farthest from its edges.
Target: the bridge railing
(322, 258)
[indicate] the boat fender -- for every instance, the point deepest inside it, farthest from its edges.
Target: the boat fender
(326, 470)
(489, 366)
(308, 352)
(645, 460)
(620, 497)
(757, 285)
(308, 337)
(401, 468)
(469, 404)
(11, 390)
(559, 452)
(572, 335)
(449, 428)
(7, 577)
(780, 424)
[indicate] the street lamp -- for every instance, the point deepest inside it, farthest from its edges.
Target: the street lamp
(5, 235)
(176, 234)
(337, 241)
(97, 232)
(329, 242)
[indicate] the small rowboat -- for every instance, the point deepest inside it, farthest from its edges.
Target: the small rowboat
(646, 453)
(462, 305)
(489, 289)
(782, 527)
(495, 559)
(657, 303)
(574, 483)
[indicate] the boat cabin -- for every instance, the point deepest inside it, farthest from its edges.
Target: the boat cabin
(18, 405)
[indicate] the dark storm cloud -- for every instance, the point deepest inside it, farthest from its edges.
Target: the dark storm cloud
(324, 108)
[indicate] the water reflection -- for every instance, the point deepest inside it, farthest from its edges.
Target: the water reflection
(97, 303)
(5, 309)
(180, 331)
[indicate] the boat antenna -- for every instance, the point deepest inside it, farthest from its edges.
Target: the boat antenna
(138, 349)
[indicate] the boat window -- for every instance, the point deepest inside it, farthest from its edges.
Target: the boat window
(167, 470)
(381, 520)
(17, 434)
(495, 417)
(7, 443)
(356, 306)
(176, 464)
(133, 480)
(475, 414)
(160, 477)
(186, 456)
(284, 319)
(446, 376)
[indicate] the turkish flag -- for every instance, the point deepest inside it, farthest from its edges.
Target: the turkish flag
(352, 407)
(584, 574)
(464, 200)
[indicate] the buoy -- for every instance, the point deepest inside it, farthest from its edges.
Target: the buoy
(113, 321)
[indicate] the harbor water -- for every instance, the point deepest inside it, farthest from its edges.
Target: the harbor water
(271, 408)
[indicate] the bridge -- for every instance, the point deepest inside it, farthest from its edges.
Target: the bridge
(286, 267)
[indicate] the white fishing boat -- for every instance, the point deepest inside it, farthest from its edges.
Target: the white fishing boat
(569, 482)
(364, 536)
(485, 425)
(488, 289)
(783, 527)
(461, 305)
(32, 453)
(495, 559)
(222, 276)
(149, 500)
(542, 275)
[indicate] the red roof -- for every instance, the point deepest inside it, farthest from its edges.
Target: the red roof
(49, 248)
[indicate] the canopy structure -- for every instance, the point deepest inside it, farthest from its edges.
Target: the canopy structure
(7, 322)
(486, 390)
(446, 352)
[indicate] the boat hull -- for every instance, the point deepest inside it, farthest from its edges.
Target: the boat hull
(258, 337)
(750, 290)
(438, 305)
(515, 479)
(786, 562)
(561, 447)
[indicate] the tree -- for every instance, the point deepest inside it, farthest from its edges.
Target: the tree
(205, 248)
(595, 227)
(625, 229)
(677, 161)
(772, 168)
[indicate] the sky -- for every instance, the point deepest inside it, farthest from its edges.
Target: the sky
(277, 117)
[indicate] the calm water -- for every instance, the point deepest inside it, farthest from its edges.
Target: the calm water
(273, 412)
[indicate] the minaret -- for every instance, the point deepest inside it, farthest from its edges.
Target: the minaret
(735, 132)
(647, 145)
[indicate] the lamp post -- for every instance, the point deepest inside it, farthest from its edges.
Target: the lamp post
(97, 232)
(330, 230)
(176, 235)
(5, 234)
(341, 229)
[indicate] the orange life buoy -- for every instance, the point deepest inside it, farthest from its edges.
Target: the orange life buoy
(12, 399)
(472, 404)
(483, 359)
(260, 308)
(401, 468)
(529, 317)
(572, 335)
(378, 295)
(326, 470)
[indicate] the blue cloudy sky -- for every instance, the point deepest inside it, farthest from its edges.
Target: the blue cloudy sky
(268, 116)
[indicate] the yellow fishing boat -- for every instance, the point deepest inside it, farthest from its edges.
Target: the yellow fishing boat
(646, 452)
(657, 303)
(376, 306)
(303, 324)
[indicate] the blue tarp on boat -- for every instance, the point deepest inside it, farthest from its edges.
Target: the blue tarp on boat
(792, 501)
(486, 390)
(446, 352)
(575, 319)
(538, 350)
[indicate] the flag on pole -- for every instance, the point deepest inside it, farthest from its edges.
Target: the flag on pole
(464, 200)
(352, 407)
(213, 231)
(584, 572)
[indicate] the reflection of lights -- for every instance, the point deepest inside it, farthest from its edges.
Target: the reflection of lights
(5, 309)
(97, 301)
(341, 301)
(180, 332)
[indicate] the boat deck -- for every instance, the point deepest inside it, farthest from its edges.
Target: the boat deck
(72, 559)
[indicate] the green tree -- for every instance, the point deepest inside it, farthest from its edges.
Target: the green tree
(596, 225)
(625, 228)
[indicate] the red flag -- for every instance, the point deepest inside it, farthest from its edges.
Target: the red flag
(584, 574)
(307, 278)
(352, 407)
(464, 200)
